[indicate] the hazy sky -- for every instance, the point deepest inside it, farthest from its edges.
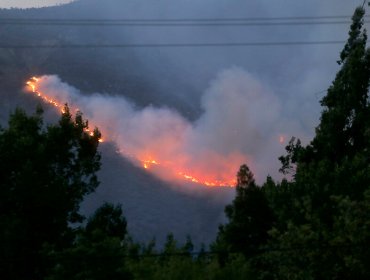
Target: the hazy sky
(30, 3)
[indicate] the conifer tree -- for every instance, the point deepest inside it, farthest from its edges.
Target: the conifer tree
(249, 216)
(318, 240)
(45, 172)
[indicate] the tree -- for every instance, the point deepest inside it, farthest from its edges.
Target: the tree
(107, 221)
(98, 251)
(337, 161)
(341, 144)
(249, 215)
(45, 172)
(324, 235)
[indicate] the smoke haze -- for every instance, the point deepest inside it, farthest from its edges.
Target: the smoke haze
(241, 123)
(187, 107)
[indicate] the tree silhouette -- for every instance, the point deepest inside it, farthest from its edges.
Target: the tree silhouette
(45, 172)
(249, 215)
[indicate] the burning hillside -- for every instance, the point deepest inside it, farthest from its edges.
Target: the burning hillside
(207, 152)
(148, 159)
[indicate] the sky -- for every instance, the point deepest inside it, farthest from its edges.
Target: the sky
(30, 3)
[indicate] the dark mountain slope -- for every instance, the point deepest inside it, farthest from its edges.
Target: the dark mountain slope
(122, 71)
(153, 208)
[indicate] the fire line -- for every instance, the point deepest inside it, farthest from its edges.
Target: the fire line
(145, 163)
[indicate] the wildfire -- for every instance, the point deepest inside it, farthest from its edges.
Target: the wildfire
(146, 163)
(32, 83)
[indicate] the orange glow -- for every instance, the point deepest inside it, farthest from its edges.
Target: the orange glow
(281, 139)
(32, 83)
(152, 161)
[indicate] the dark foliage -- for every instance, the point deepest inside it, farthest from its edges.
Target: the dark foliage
(45, 172)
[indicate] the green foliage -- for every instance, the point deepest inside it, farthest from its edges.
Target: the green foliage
(250, 218)
(99, 251)
(343, 133)
(346, 111)
(289, 161)
(323, 228)
(314, 251)
(178, 262)
(108, 221)
(45, 172)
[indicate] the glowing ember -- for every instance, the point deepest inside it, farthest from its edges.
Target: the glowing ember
(147, 162)
(32, 83)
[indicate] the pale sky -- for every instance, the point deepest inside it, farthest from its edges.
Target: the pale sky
(30, 3)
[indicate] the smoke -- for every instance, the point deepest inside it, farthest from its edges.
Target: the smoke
(242, 123)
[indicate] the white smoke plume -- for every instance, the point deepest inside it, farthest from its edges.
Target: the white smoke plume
(242, 123)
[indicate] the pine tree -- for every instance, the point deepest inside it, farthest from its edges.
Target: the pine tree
(249, 216)
(45, 172)
(322, 238)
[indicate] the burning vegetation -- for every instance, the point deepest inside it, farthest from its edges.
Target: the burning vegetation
(149, 162)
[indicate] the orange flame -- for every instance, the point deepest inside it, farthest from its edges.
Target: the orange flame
(146, 163)
(32, 83)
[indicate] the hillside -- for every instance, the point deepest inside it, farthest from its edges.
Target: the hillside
(153, 208)
(125, 72)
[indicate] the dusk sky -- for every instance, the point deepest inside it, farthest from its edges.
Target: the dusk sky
(30, 3)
